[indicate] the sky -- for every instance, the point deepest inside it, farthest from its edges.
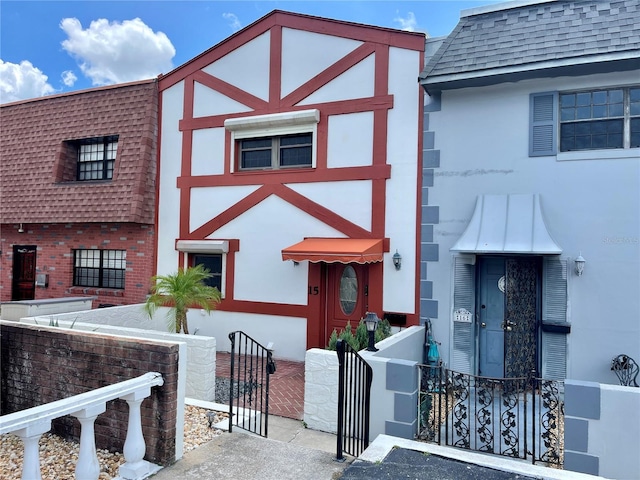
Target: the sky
(52, 47)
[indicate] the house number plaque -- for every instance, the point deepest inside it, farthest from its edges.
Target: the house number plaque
(462, 315)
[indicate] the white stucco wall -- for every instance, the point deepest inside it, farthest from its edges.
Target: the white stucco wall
(591, 207)
(274, 224)
(614, 437)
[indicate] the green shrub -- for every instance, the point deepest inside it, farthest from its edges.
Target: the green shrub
(360, 339)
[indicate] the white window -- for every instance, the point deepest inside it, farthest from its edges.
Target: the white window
(600, 119)
(274, 141)
(211, 254)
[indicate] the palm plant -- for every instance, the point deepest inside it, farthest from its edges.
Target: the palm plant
(179, 291)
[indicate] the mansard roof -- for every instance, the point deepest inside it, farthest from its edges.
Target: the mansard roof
(34, 139)
(529, 39)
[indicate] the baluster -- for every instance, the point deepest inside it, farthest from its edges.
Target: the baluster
(88, 466)
(30, 437)
(134, 446)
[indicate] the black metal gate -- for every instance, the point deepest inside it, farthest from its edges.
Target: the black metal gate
(515, 417)
(354, 399)
(251, 366)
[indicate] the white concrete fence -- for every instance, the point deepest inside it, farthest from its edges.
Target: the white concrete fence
(31, 423)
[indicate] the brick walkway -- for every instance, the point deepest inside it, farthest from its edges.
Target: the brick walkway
(286, 386)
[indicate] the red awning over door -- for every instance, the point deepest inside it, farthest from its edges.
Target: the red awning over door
(332, 250)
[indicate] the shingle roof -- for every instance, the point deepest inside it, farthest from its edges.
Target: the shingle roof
(32, 136)
(548, 34)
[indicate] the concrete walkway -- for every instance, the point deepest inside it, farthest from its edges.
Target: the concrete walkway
(290, 452)
(296, 453)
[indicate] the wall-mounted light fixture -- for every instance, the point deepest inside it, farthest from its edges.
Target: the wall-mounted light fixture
(580, 261)
(397, 260)
(20, 229)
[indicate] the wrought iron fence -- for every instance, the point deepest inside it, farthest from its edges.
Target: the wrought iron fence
(251, 366)
(515, 417)
(354, 397)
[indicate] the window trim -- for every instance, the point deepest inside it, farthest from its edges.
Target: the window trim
(272, 125)
(206, 247)
(101, 268)
(544, 132)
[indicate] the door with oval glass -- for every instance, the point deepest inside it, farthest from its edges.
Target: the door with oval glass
(346, 295)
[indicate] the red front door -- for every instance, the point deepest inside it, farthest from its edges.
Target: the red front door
(346, 296)
(23, 286)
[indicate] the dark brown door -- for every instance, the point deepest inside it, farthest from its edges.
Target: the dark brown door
(23, 286)
(346, 295)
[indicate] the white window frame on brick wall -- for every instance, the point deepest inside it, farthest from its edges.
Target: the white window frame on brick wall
(273, 125)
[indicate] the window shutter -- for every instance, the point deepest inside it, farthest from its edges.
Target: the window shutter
(464, 296)
(554, 312)
(543, 123)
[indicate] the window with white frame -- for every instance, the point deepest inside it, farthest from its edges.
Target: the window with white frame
(586, 120)
(99, 268)
(287, 151)
(599, 119)
(211, 254)
(274, 141)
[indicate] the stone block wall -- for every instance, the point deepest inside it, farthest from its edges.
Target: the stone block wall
(44, 364)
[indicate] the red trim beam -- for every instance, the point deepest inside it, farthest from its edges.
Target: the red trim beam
(335, 250)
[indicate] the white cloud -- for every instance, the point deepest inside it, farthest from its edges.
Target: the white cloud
(408, 24)
(69, 78)
(20, 81)
(233, 21)
(114, 52)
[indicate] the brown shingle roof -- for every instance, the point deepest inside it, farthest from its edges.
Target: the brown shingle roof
(32, 160)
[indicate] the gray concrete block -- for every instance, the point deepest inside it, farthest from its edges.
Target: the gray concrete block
(576, 434)
(582, 399)
(402, 376)
(579, 462)
(404, 407)
(402, 430)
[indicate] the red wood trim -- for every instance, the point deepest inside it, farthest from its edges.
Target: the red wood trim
(322, 213)
(263, 308)
(380, 142)
(277, 177)
(364, 33)
(322, 143)
(275, 67)
(233, 212)
(229, 90)
(415, 318)
(357, 105)
(355, 31)
(185, 169)
(228, 147)
(330, 73)
(217, 52)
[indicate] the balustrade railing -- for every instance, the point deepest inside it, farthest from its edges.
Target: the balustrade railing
(31, 423)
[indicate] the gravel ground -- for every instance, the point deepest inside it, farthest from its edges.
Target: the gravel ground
(58, 457)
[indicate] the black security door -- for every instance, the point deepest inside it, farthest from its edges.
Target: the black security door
(520, 319)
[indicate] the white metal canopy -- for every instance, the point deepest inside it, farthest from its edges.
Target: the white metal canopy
(507, 224)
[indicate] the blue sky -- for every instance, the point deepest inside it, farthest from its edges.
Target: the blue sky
(49, 47)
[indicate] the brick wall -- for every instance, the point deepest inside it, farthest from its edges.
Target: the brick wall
(41, 365)
(55, 244)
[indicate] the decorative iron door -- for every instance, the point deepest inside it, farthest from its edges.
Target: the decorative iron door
(521, 310)
(23, 286)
